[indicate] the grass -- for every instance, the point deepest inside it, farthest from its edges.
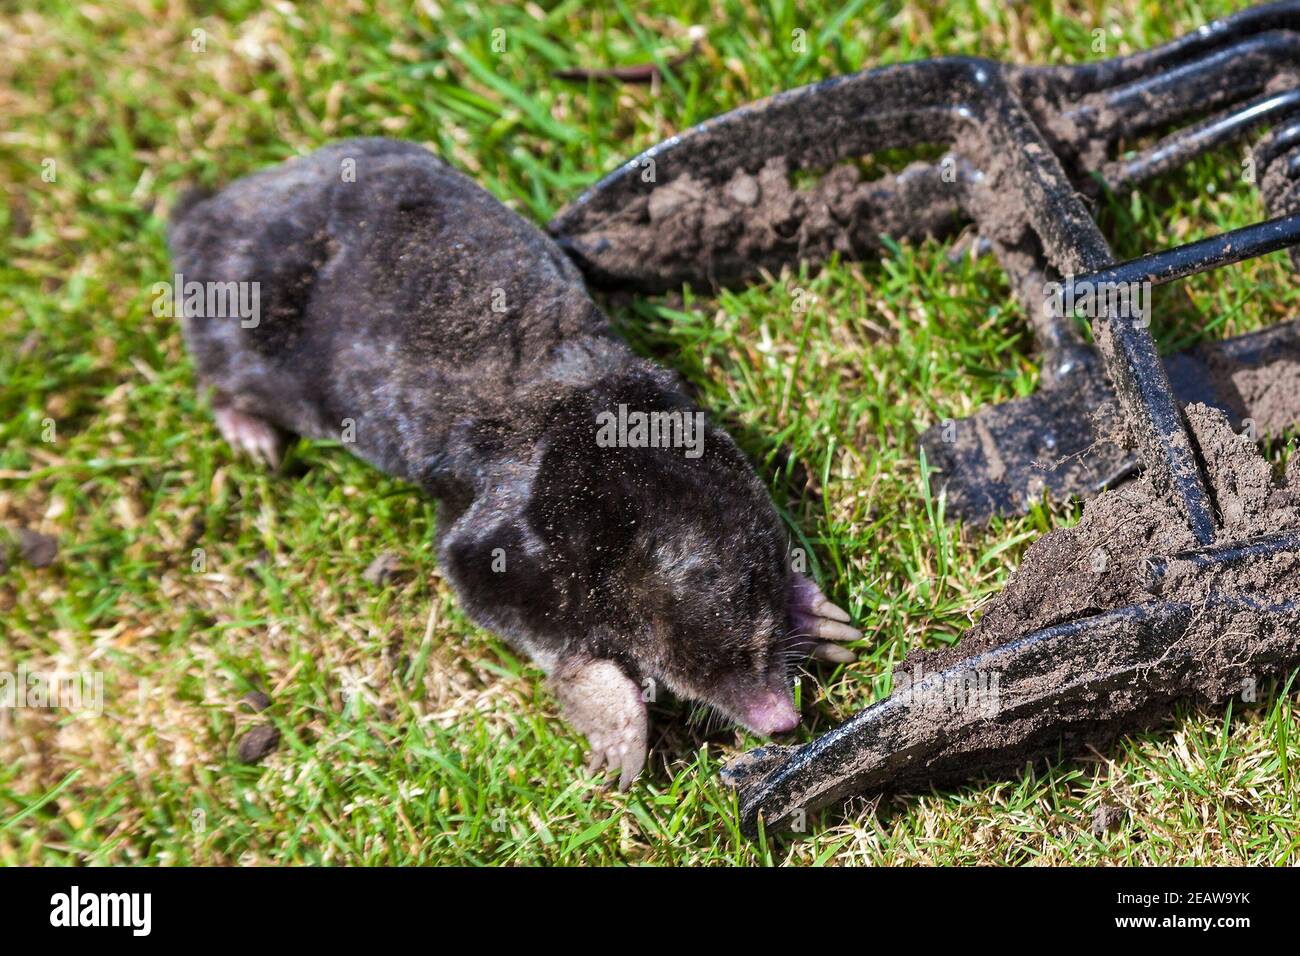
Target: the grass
(187, 578)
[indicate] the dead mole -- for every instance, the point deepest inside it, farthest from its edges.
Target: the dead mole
(589, 513)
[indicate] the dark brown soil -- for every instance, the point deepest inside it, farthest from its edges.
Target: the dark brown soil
(383, 570)
(1107, 817)
(762, 220)
(257, 700)
(1266, 391)
(1099, 565)
(1095, 565)
(36, 549)
(257, 743)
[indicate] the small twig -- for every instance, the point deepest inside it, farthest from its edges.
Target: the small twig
(636, 73)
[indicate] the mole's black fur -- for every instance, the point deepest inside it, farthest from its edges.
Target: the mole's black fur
(449, 342)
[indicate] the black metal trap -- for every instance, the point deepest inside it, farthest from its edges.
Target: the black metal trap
(1023, 151)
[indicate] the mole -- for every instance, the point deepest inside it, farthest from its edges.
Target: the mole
(589, 513)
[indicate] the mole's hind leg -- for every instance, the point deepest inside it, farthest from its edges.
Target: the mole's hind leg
(603, 702)
(246, 433)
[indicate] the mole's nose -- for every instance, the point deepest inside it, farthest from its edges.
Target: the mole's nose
(772, 713)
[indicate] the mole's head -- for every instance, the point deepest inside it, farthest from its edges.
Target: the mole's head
(676, 561)
(641, 535)
(702, 583)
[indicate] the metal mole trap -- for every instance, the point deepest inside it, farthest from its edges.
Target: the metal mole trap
(1021, 152)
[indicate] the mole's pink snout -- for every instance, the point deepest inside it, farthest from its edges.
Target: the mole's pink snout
(771, 712)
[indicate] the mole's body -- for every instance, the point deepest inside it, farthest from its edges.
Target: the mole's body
(404, 310)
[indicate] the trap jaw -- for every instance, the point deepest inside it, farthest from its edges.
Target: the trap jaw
(1026, 145)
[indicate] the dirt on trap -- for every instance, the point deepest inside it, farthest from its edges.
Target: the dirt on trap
(1100, 565)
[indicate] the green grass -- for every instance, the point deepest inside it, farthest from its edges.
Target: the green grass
(410, 736)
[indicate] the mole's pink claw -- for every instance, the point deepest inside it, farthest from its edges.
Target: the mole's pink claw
(807, 598)
(832, 611)
(811, 609)
(834, 654)
(817, 621)
(835, 631)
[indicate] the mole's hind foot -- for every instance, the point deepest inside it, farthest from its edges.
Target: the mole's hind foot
(254, 436)
(603, 702)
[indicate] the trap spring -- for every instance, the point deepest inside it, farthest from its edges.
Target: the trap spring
(1020, 152)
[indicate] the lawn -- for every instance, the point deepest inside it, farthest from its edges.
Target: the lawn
(188, 578)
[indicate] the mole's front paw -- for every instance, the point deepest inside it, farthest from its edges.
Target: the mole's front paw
(603, 702)
(817, 623)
